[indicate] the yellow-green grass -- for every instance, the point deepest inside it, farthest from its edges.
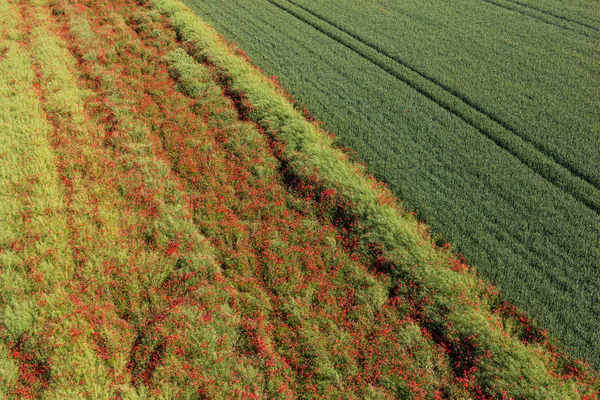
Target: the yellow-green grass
(110, 230)
(312, 338)
(94, 224)
(35, 259)
(320, 338)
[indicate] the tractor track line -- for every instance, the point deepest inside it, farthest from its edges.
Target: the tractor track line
(515, 7)
(454, 92)
(565, 177)
(558, 16)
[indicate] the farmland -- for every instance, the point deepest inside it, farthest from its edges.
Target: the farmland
(175, 227)
(482, 116)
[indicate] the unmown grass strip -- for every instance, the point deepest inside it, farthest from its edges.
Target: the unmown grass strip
(176, 124)
(191, 76)
(519, 369)
(556, 171)
(256, 207)
(77, 370)
(243, 141)
(559, 22)
(89, 363)
(237, 143)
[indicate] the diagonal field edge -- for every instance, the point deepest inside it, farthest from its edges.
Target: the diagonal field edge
(514, 7)
(463, 98)
(561, 17)
(564, 178)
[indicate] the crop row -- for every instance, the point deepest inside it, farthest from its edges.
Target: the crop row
(549, 18)
(584, 15)
(512, 88)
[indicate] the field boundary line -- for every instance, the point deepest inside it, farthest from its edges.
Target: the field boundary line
(516, 7)
(565, 177)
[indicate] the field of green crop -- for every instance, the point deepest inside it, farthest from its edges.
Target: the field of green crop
(482, 115)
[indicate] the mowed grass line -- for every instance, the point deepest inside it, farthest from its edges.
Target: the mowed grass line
(558, 172)
(520, 370)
